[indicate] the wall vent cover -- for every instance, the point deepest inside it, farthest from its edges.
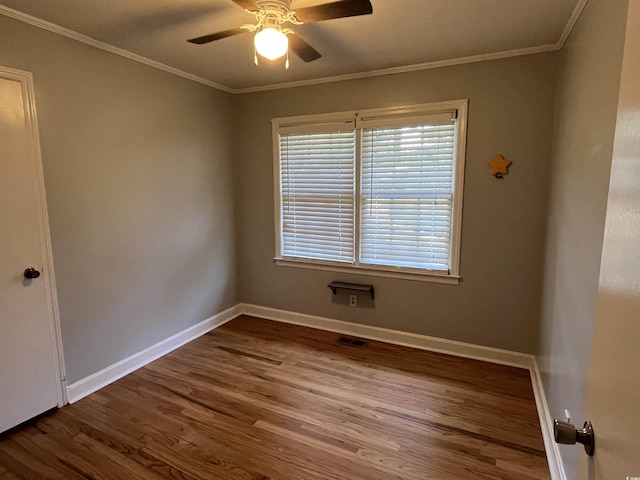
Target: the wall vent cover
(352, 342)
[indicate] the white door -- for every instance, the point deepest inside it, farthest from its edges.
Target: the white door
(30, 365)
(613, 391)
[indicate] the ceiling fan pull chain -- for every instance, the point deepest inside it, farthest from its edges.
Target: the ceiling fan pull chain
(286, 63)
(255, 55)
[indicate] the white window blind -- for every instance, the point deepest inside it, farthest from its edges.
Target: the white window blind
(375, 192)
(407, 185)
(317, 193)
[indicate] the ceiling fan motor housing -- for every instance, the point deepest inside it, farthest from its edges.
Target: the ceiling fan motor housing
(276, 7)
(272, 14)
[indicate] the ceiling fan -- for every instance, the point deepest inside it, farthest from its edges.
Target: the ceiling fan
(272, 40)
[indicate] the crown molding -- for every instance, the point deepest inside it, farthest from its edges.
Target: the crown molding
(57, 29)
(65, 32)
(573, 19)
(551, 47)
(407, 68)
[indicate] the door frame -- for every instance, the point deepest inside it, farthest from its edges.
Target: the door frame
(37, 174)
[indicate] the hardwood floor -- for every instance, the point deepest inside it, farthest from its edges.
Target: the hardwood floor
(257, 399)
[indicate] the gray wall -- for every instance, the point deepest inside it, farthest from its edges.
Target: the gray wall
(497, 304)
(140, 173)
(586, 105)
(140, 195)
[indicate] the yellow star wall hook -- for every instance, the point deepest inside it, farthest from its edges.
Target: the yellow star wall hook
(499, 166)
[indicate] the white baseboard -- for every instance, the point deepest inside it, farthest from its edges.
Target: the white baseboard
(396, 337)
(434, 344)
(110, 374)
(546, 425)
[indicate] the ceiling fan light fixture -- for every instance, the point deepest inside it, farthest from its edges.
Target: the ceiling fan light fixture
(271, 43)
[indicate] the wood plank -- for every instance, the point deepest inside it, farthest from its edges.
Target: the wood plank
(256, 399)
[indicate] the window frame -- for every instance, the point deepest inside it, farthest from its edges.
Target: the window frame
(452, 276)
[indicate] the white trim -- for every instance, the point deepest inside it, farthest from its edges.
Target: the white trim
(100, 379)
(347, 116)
(518, 52)
(554, 459)
(394, 115)
(65, 32)
(385, 272)
(35, 158)
(573, 19)
(433, 344)
(458, 188)
(45, 239)
(36, 22)
(110, 374)
(404, 69)
(396, 337)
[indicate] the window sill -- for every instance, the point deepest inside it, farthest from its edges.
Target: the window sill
(404, 274)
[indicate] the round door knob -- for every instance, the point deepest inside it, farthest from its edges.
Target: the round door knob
(31, 273)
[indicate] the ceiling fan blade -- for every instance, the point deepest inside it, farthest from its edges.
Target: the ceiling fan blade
(328, 11)
(302, 49)
(247, 5)
(217, 36)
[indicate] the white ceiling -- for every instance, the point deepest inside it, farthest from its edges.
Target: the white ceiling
(399, 35)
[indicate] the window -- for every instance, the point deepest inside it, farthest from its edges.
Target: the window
(376, 191)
